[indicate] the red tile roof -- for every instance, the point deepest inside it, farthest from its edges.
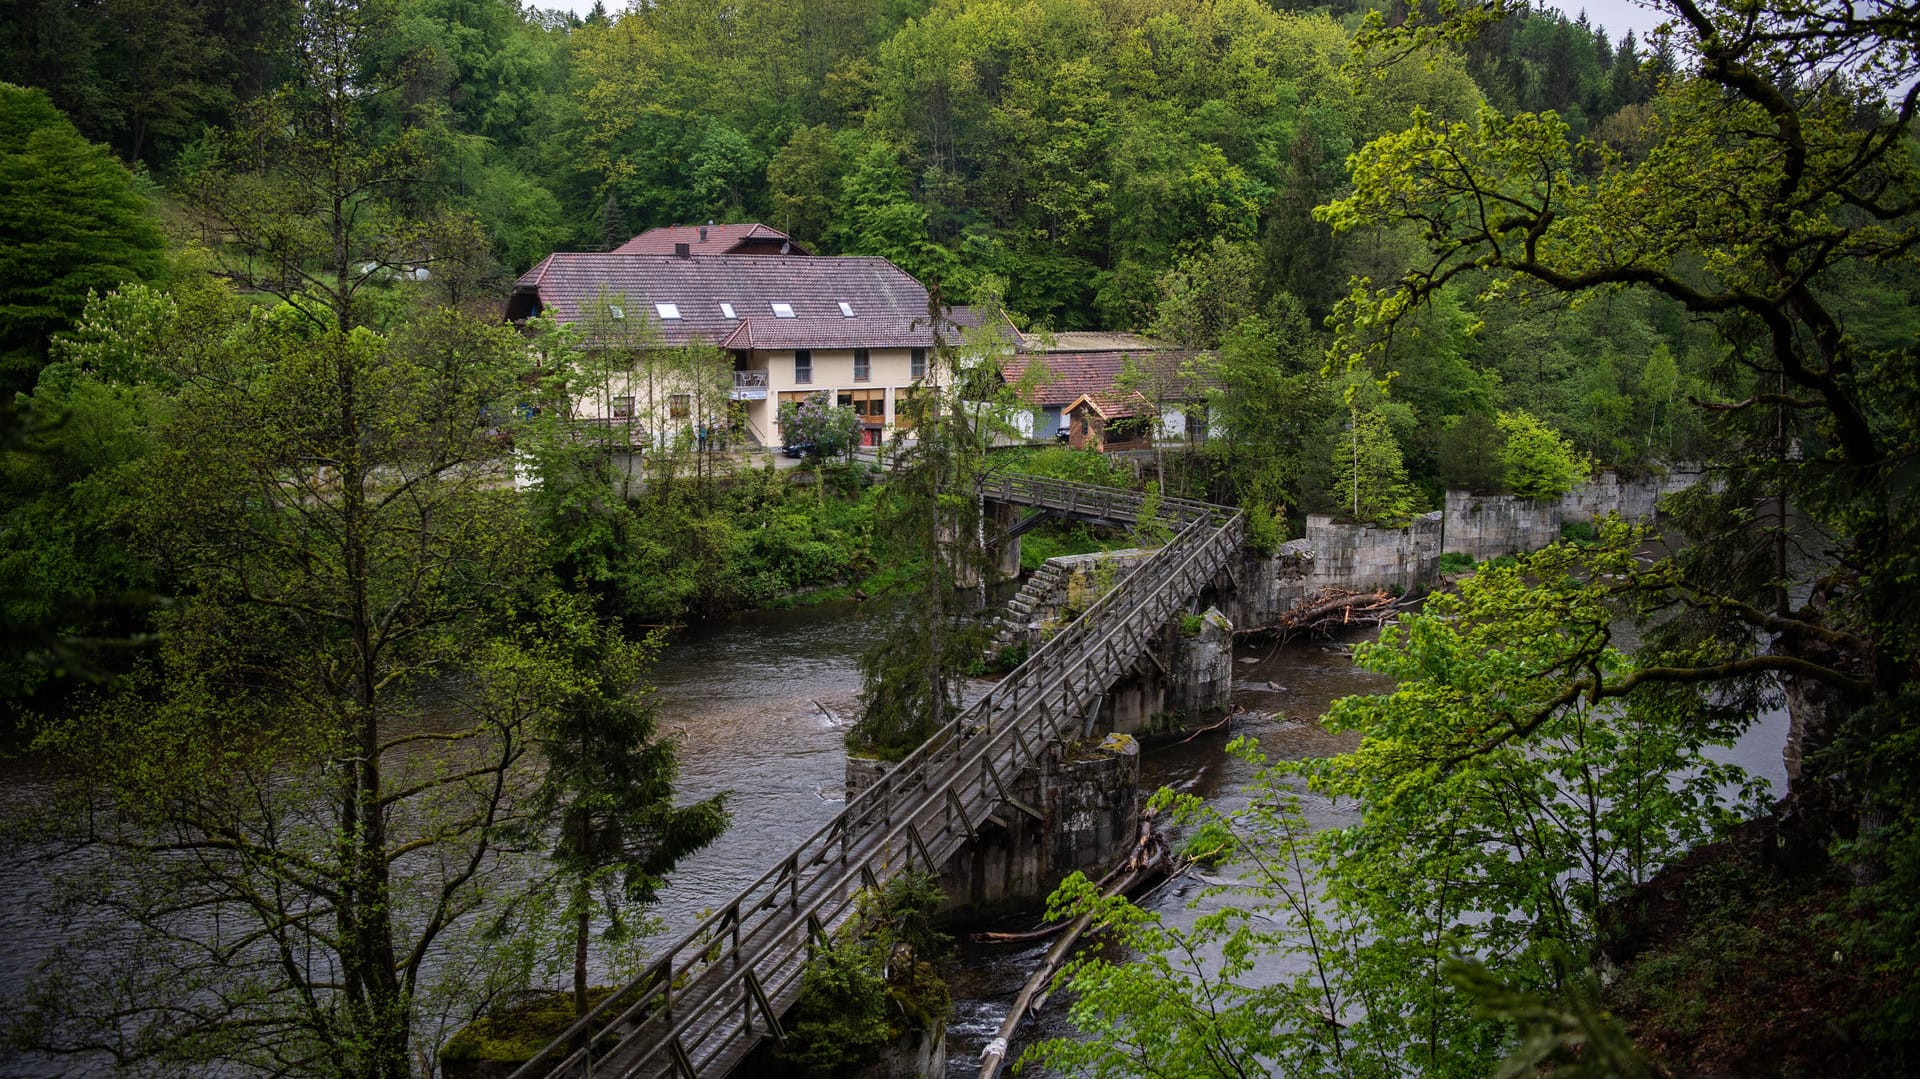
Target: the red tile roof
(1116, 406)
(1061, 378)
(749, 238)
(889, 306)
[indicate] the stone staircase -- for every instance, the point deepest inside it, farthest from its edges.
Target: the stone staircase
(1040, 597)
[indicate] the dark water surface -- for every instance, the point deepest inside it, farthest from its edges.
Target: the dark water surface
(763, 701)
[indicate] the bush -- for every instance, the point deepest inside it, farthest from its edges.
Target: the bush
(1266, 530)
(1535, 461)
(1066, 463)
(1456, 562)
(1580, 532)
(875, 981)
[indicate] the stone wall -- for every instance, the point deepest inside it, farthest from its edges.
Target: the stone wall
(1486, 526)
(1364, 557)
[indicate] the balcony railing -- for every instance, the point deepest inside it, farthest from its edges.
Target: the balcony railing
(749, 386)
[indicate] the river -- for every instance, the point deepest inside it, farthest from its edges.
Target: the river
(762, 701)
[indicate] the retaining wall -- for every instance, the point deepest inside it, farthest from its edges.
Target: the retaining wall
(1362, 557)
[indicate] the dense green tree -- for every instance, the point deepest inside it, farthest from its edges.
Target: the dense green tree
(1506, 851)
(72, 221)
(606, 791)
(1369, 477)
(328, 502)
(1534, 461)
(1781, 176)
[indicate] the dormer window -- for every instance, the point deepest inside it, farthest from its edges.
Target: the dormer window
(846, 309)
(667, 311)
(781, 310)
(617, 312)
(726, 310)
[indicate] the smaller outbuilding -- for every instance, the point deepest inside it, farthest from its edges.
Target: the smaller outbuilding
(1111, 421)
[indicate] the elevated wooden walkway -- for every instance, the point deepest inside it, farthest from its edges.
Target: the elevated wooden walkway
(708, 999)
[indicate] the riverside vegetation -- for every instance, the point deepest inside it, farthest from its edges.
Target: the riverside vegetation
(322, 678)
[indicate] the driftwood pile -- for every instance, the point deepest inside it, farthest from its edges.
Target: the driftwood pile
(1331, 608)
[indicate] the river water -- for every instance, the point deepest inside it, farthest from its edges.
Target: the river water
(763, 701)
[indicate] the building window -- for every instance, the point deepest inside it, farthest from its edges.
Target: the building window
(619, 313)
(679, 405)
(802, 367)
(869, 405)
(667, 311)
(903, 409)
(623, 408)
(726, 310)
(788, 397)
(1196, 423)
(917, 363)
(846, 309)
(862, 366)
(781, 310)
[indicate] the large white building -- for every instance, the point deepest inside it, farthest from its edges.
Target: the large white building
(792, 324)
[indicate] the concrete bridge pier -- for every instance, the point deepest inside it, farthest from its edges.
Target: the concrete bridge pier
(997, 536)
(1184, 676)
(1076, 808)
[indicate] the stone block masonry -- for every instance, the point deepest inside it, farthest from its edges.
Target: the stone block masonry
(1336, 554)
(1087, 796)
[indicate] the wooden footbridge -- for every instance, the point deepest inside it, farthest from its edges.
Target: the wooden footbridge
(706, 1001)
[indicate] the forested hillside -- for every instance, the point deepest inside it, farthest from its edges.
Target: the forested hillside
(263, 532)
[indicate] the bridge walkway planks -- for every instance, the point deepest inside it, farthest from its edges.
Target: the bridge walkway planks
(704, 1004)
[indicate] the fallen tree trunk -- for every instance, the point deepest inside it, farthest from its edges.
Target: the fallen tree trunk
(1148, 856)
(1331, 607)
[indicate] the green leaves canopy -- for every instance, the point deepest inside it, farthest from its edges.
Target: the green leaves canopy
(72, 221)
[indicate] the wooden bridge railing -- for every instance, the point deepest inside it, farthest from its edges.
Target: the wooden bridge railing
(704, 1003)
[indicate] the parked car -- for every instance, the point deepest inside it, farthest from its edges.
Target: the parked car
(797, 450)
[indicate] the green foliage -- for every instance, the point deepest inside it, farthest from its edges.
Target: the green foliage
(1536, 462)
(827, 430)
(1500, 844)
(1470, 452)
(874, 982)
(606, 791)
(1066, 463)
(514, 1034)
(1062, 538)
(1148, 529)
(72, 222)
(843, 1019)
(1370, 481)
(1578, 532)
(1454, 562)
(900, 705)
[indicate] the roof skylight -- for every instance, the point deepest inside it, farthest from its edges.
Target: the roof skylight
(726, 309)
(846, 309)
(616, 311)
(667, 310)
(781, 310)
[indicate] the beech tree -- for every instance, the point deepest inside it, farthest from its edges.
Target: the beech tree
(1535, 461)
(1506, 851)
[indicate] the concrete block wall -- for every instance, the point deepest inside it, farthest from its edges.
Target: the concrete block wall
(1363, 557)
(1368, 556)
(1486, 526)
